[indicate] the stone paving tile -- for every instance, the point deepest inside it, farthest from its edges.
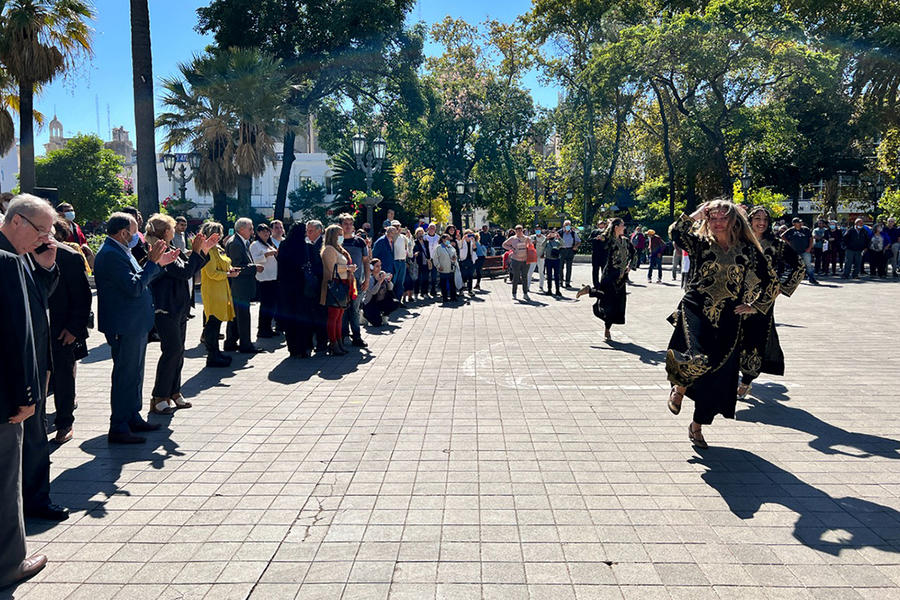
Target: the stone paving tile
(496, 450)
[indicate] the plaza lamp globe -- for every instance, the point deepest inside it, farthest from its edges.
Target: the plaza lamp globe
(460, 188)
(168, 161)
(359, 145)
(379, 148)
(194, 160)
(531, 173)
(472, 188)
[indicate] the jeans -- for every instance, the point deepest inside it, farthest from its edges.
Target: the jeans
(551, 266)
(434, 280)
(479, 263)
(655, 262)
(128, 354)
(810, 271)
(518, 270)
(818, 259)
(399, 278)
(567, 257)
(448, 287)
(852, 262)
(351, 314)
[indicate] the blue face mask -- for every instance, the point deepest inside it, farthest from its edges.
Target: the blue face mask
(568, 227)
(537, 231)
(69, 215)
(135, 240)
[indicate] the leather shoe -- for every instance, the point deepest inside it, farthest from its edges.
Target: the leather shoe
(249, 350)
(29, 567)
(359, 343)
(124, 438)
(50, 512)
(218, 361)
(229, 347)
(265, 334)
(144, 426)
(63, 435)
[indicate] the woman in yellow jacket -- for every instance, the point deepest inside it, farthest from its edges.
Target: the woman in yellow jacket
(216, 294)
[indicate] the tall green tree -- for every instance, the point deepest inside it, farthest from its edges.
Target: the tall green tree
(86, 175)
(142, 75)
(228, 107)
(334, 50)
(39, 39)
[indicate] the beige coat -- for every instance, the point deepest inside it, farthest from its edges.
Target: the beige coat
(330, 257)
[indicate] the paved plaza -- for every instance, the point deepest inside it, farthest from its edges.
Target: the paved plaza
(496, 450)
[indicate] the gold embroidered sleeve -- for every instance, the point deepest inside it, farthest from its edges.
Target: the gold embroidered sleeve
(760, 288)
(791, 269)
(681, 232)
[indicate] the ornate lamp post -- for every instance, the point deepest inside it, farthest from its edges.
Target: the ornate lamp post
(746, 182)
(536, 209)
(182, 178)
(876, 189)
(531, 176)
(466, 191)
(369, 163)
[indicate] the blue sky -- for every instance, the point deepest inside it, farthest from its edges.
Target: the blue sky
(104, 82)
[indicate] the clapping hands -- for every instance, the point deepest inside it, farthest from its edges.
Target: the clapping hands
(159, 255)
(202, 244)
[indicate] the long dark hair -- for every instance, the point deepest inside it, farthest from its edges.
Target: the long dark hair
(768, 234)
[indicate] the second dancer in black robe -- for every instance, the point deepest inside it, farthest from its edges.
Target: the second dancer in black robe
(610, 304)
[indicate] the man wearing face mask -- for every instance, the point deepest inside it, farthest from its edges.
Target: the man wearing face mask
(125, 315)
(856, 240)
(75, 235)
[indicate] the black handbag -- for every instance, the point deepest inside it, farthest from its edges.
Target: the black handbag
(337, 295)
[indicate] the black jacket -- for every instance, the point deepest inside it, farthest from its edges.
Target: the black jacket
(314, 255)
(70, 302)
(23, 369)
(857, 240)
(424, 254)
(172, 290)
(243, 287)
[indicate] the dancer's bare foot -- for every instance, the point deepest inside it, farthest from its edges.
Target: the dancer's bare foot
(583, 291)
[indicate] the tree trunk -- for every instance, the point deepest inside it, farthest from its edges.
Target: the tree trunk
(284, 178)
(586, 180)
(220, 208)
(667, 150)
(26, 137)
(244, 190)
(690, 190)
(142, 72)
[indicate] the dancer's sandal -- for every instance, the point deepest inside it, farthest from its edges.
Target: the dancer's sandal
(696, 437)
(674, 394)
(744, 389)
(160, 406)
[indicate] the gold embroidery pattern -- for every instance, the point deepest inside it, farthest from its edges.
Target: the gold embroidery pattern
(751, 362)
(619, 255)
(684, 369)
(720, 280)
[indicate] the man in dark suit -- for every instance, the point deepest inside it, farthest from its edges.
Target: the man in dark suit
(28, 278)
(125, 316)
(243, 288)
(70, 314)
(318, 313)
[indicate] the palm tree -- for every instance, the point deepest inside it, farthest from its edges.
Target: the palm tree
(228, 107)
(142, 73)
(39, 39)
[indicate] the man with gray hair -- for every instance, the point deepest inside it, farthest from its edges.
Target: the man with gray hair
(27, 268)
(243, 288)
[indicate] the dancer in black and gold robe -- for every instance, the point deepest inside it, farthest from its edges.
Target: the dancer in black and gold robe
(610, 304)
(730, 278)
(761, 351)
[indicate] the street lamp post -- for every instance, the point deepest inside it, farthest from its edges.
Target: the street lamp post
(369, 162)
(536, 209)
(466, 192)
(876, 189)
(183, 177)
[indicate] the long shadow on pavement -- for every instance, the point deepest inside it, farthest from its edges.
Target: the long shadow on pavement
(77, 487)
(646, 355)
(768, 408)
(294, 370)
(746, 482)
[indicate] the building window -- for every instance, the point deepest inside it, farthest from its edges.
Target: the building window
(328, 189)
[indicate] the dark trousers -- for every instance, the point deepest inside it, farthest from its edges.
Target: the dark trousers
(128, 354)
(12, 521)
(211, 330)
(852, 263)
(818, 259)
(63, 384)
(435, 276)
(448, 287)
(319, 318)
(423, 280)
(877, 263)
(596, 265)
(268, 304)
(375, 310)
(479, 264)
(237, 332)
(567, 257)
(551, 267)
(172, 330)
(36, 459)
(830, 261)
(518, 274)
(655, 263)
